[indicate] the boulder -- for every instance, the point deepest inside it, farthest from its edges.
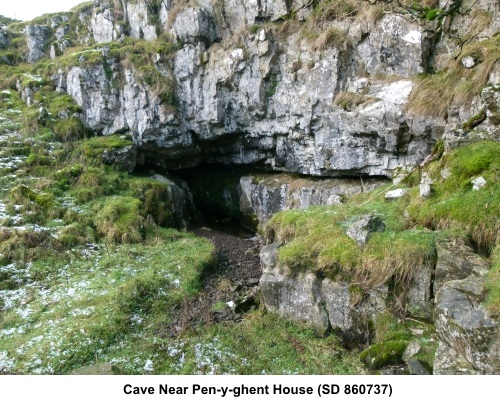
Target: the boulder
(419, 295)
(456, 261)
(463, 323)
(478, 183)
(361, 230)
(37, 37)
(124, 158)
(295, 298)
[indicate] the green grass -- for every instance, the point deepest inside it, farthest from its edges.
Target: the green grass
(282, 347)
(493, 284)
(95, 308)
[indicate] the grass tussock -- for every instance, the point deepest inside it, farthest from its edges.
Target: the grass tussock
(435, 93)
(350, 101)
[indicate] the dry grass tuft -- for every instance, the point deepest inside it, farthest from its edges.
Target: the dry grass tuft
(434, 94)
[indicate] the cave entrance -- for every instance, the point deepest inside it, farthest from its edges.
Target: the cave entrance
(216, 195)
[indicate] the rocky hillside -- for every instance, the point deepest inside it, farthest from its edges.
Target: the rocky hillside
(268, 106)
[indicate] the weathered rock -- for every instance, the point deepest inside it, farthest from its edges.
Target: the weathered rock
(361, 230)
(478, 183)
(179, 201)
(412, 349)
(456, 261)
(419, 295)
(195, 25)
(415, 367)
(394, 194)
(325, 304)
(297, 299)
(123, 158)
(448, 362)
(395, 46)
(102, 26)
(463, 323)
(37, 37)
(4, 39)
(264, 195)
(425, 186)
(468, 62)
(138, 19)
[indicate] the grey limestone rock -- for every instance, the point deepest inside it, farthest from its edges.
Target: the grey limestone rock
(456, 261)
(322, 304)
(36, 40)
(4, 39)
(448, 362)
(463, 323)
(361, 230)
(138, 19)
(264, 195)
(394, 194)
(195, 25)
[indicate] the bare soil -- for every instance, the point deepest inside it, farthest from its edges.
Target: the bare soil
(235, 280)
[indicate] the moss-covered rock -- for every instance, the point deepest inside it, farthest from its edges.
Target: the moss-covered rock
(384, 354)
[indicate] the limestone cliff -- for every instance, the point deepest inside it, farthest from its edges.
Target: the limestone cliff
(311, 87)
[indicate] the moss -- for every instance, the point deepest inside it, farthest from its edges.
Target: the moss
(455, 205)
(68, 175)
(383, 354)
(76, 234)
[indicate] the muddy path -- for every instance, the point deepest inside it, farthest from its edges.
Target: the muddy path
(230, 291)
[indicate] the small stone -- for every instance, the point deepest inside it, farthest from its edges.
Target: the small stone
(425, 191)
(478, 183)
(394, 194)
(262, 35)
(468, 62)
(445, 173)
(361, 230)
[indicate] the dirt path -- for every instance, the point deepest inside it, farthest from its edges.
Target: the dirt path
(236, 281)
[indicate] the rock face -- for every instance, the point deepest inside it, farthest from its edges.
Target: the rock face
(323, 304)
(251, 94)
(465, 326)
(195, 25)
(36, 39)
(263, 196)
